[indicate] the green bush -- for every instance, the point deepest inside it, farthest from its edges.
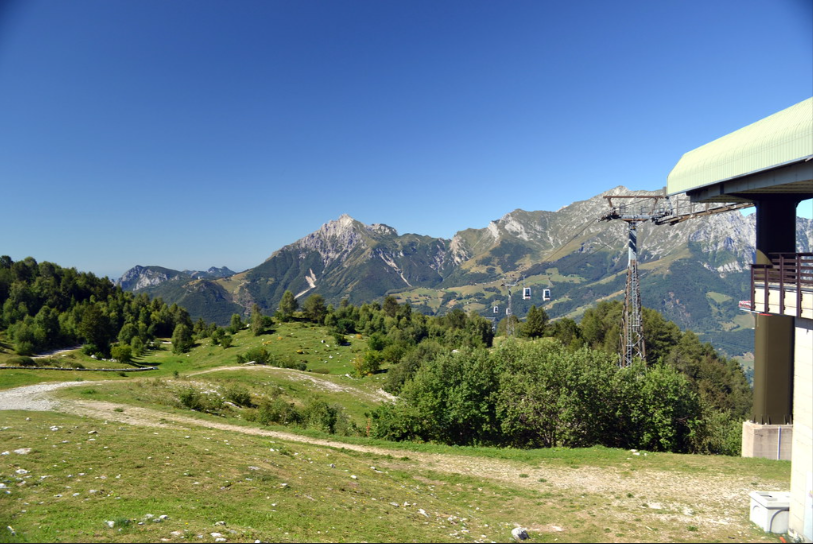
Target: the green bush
(369, 364)
(239, 395)
(22, 361)
(191, 398)
(278, 411)
(320, 415)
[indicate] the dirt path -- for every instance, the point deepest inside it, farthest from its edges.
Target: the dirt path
(688, 498)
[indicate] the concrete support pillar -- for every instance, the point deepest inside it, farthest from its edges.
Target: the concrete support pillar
(773, 340)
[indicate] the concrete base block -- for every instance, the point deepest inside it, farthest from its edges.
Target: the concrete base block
(767, 441)
(769, 510)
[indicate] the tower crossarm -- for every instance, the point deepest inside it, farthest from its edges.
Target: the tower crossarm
(636, 208)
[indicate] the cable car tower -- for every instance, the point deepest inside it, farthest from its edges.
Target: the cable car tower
(645, 209)
(509, 324)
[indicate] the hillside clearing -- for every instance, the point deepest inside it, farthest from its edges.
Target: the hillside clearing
(628, 497)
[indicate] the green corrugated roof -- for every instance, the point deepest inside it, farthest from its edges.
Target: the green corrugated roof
(782, 138)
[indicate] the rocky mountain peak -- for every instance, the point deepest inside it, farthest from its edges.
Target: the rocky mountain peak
(140, 277)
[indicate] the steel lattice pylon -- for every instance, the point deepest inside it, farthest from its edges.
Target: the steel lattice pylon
(632, 332)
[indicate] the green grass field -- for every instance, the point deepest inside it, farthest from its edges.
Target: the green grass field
(122, 452)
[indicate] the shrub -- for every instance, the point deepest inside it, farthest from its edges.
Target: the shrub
(191, 398)
(369, 364)
(22, 361)
(278, 411)
(339, 338)
(24, 347)
(123, 353)
(258, 355)
(320, 415)
(239, 395)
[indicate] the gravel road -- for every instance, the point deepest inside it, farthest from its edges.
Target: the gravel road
(32, 397)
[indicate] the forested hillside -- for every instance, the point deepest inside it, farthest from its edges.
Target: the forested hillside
(46, 306)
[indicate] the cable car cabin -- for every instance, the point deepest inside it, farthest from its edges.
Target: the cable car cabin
(545, 294)
(496, 309)
(526, 293)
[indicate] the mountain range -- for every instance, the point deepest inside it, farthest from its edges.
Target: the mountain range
(694, 272)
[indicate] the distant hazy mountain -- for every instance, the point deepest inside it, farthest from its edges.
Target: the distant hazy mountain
(694, 272)
(142, 277)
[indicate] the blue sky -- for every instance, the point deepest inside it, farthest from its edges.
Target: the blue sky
(191, 134)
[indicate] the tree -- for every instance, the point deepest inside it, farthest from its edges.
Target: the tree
(287, 306)
(137, 345)
(257, 321)
(236, 324)
(567, 332)
(314, 308)
(96, 329)
(123, 353)
(535, 323)
(182, 340)
(390, 306)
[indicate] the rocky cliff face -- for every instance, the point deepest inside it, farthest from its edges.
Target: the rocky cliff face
(142, 277)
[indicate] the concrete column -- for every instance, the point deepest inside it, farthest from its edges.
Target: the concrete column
(773, 339)
(776, 226)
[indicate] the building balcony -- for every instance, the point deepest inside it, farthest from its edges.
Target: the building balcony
(784, 287)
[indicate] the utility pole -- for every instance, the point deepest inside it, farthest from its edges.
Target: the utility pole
(632, 331)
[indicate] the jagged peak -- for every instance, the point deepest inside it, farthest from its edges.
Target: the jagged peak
(346, 223)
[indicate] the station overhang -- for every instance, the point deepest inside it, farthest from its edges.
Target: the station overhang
(773, 156)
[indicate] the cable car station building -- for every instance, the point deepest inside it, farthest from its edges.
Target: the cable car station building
(770, 163)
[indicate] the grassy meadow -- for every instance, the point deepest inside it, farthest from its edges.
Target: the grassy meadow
(126, 461)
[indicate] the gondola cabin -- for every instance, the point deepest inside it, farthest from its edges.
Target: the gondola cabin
(496, 309)
(526, 293)
(545, 294)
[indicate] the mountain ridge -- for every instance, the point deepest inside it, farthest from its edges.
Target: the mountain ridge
(569, 250)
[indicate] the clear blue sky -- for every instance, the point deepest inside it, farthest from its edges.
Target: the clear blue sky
(191, 134)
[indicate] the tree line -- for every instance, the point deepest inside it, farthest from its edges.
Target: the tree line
(558, 383)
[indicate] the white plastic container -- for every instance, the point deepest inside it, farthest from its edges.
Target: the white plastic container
(769, 510)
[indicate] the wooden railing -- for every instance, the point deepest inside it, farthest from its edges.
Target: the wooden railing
(788, 273)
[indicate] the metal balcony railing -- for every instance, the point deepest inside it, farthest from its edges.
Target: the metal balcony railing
(787, 283)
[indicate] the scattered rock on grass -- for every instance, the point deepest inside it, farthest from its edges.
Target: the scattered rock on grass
(519, 533)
